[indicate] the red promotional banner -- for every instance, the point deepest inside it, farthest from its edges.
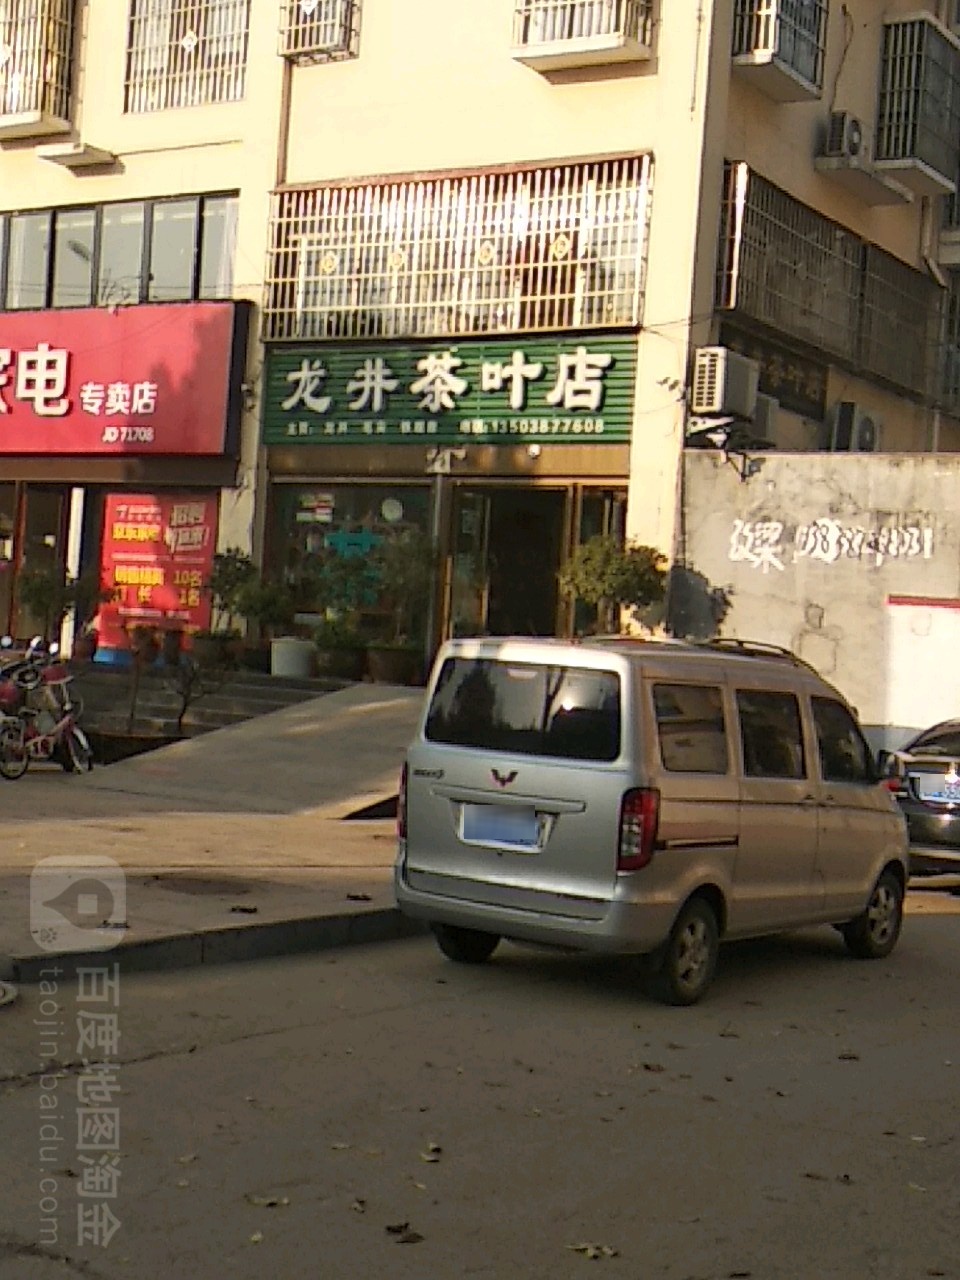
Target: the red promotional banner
(157, 552)
(134, 380)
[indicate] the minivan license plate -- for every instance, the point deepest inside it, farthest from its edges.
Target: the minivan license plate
(500, 824)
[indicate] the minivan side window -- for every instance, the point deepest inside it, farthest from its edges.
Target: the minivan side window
(691, 728)
(844, 754)
(771, 734)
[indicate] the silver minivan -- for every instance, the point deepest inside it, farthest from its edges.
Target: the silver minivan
(647, 797)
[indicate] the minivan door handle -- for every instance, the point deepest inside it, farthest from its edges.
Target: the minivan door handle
(809, 800)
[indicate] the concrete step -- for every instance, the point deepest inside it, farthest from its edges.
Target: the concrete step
(107, 691)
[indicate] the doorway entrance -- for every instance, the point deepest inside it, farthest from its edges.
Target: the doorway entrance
(506, 552)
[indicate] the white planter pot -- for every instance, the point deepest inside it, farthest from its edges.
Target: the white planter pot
(291, 656)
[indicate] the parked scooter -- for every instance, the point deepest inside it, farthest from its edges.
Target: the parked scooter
(38, 715)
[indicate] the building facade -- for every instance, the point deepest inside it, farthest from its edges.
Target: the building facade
(500, 268)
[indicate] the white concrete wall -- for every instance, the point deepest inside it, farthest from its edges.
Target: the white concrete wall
(812, 547)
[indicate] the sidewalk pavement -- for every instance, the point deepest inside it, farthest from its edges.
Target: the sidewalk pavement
(237, 844)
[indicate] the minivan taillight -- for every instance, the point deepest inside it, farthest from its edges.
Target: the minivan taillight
(402, 804)
(639, 818)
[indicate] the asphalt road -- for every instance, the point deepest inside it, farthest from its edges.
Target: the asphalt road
(381, 1112)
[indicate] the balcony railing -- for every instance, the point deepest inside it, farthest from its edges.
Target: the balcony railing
(36, 67)
(918, 111)
(554, 34)
(779, 46)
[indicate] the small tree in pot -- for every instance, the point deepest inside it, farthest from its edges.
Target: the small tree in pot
(610, 577)
(403, 567)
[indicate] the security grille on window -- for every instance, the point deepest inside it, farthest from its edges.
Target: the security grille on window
(36, 56)
(792, 31)
(785, 265)
(918, 110)
(185, 53)
(545, 21)
(483, 253)
(320, 30)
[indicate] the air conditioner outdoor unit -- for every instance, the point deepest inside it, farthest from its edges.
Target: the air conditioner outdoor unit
(854, 429)
(724, 382)
(845, 137)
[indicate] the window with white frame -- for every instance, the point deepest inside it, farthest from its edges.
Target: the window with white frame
(486, 252)
(320, 30)
(185, 53)
(547, 21)
(794, 32)
(36, 56)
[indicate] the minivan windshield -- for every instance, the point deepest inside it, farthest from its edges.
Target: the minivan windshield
(530, 708)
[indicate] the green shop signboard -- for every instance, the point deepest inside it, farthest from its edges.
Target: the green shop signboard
(551, 390)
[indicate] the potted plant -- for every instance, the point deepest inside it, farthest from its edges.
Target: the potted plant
(611, 576)
(272, 606)
(403, 568)
(232, 570)
(341, 648)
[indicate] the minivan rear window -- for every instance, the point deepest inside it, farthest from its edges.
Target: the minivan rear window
(567, 713)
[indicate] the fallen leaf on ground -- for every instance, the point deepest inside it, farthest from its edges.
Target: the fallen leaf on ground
(432, 1153)
(257, 1237)
(594, 1251)
(187, 1159)
(359, 897)
(359, 1206)
(266, 1202)
(654, 1066)
(396, 1228)
(915, 1186)
(848, 1057)
(339, 1146)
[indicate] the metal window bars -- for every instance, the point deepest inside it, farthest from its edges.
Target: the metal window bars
(185, 53)
(545, 21)
(36, 57)
(918, 116)
(319, 30)
(793, 31)
(784, 265)
(489, 252)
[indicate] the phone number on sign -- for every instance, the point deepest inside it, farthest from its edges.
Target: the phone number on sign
(532, 427)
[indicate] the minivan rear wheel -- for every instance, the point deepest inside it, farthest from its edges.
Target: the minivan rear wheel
(465, 946)
(682, 970)
(873, 934)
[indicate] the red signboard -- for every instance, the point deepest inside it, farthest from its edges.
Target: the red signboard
(130, 380)
(157, 553)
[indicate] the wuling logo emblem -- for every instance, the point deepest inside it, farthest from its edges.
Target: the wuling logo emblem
(503, 779)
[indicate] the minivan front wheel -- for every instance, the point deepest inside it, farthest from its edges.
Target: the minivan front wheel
(465, 946)
(873, 934)
(682, 970)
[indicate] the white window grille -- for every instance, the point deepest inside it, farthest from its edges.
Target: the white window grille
(918, 109)
(320, 30)
(793, 32)
(36, 57)
(185, 53)
(479, 253)
(546, 21)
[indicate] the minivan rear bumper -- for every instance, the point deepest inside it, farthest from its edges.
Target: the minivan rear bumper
(627, 925)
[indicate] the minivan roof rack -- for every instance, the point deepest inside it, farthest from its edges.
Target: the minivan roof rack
(758, 649)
